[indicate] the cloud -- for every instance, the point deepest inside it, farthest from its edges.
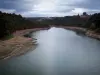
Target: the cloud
(8, 10)
(42, 14)
(81, 10)
(50, 7)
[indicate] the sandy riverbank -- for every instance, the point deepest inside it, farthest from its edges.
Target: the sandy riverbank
(19, 44)
(26, 31)
(15, 46)
(88, 33)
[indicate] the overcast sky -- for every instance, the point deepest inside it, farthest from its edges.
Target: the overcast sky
(47, 8)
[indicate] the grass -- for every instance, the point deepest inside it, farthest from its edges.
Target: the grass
(8, 37)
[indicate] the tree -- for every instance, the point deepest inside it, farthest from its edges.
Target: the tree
(12, 22)
(94, 22)
(85, 14)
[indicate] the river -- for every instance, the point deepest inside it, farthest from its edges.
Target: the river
(59, 52)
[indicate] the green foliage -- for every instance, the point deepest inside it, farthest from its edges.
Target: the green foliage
(94, 22)
(8, 37)
(12, 22)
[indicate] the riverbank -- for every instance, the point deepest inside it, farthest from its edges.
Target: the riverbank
(88, 33)
(17, 45)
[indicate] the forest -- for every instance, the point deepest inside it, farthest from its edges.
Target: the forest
(93, 23)
(10, 23)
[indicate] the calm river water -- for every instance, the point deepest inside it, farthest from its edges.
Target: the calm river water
(59, 52)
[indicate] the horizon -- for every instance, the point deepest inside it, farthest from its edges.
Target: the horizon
(49, 8)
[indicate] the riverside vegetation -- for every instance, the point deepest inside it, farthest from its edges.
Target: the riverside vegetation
(13, 44)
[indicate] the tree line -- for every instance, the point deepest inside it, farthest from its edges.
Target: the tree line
(90, 22)
(76, 20)
(93, 23)
(9, 23)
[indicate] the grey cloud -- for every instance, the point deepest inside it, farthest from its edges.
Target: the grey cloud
(63, 7)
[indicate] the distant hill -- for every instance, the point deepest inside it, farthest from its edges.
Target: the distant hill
(67, 20)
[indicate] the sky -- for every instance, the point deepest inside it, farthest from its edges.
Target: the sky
(49, 8)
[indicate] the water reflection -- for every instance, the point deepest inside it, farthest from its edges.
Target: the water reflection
(59, 52)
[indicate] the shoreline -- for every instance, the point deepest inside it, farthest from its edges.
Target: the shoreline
(88, 33)
(18, 45)
(15, 47)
